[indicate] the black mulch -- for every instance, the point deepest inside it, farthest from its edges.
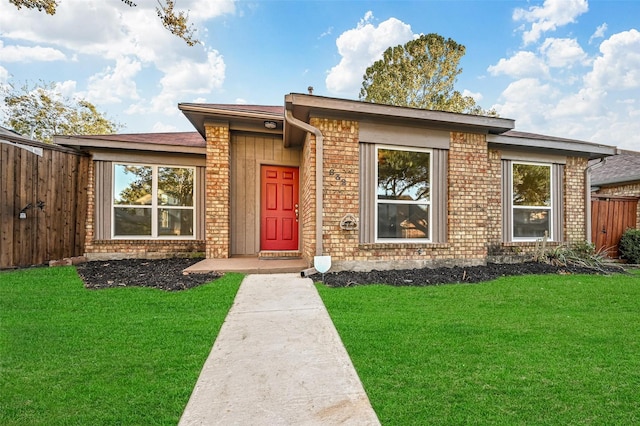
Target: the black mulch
(165, 274)
(471, 274)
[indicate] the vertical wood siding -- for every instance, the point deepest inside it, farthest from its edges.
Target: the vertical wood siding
(58, 179)
(248, 152)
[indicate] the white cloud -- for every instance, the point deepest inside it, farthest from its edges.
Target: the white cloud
(522, 64)
(30, 54)
(326, 33)
(67, 88)
(359, 48)
(241, 101)
(477, 96)
(160, 127)
(618, 66)
(599, 33)
(126, 39)
(187, 78)
(528, 101)
(551, 15)
(114, 84)
(4, 76)
(562, 52)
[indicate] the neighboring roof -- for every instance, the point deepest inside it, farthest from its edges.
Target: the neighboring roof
(184, 142)
(14, 138)
(563, 146)
(618, 169)
(9, 132)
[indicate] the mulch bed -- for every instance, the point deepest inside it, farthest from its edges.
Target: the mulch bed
(166, 274)
(436, 276)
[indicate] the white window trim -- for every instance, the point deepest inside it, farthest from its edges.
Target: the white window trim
(550, 208)
(377, 201)
(154, 204)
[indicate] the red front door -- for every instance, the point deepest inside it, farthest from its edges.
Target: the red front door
(279, 208)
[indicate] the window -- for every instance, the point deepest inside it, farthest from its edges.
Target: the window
(153, 201)
(531, 196)
(403, 195)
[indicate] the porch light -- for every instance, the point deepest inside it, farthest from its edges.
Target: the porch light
(270, 124)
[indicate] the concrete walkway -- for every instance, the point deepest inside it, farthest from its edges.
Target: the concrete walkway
(278, 360)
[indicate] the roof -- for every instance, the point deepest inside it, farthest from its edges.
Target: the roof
(303, 106)
(618, 169)
(563, 146)
(14, 138)
(183, 142)
(249, 118)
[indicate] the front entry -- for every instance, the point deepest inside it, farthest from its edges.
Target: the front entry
(279, 208)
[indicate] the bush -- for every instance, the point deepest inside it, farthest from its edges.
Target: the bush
(630, 245)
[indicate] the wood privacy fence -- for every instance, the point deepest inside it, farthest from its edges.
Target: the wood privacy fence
(43, 203)
(610, 217)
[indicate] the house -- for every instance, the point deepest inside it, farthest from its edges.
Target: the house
(397, 187)
(615, 186)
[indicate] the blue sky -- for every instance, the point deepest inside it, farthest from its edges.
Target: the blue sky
(568, 68)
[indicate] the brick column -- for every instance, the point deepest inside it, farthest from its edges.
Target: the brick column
(574, 207)
(218, 191)
(468, 196)
(341, 185)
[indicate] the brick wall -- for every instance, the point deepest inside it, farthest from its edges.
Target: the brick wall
(494, 199)
(307, 199)
(217, 214)
(469, 186)
(574, 201)
(91, 209)
(472, 184)
(341, 184)
(627, 190)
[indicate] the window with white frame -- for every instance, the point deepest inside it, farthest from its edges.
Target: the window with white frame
(403, 194)
(531, 195)
(152, 201)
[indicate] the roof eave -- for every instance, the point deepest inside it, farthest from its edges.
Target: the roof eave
(359, 108)
(238, 120)
(578, 148)
(85, 144)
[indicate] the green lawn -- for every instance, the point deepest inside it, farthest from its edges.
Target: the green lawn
(94, 357)
(516, 351)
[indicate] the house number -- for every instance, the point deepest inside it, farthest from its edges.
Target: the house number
(337, 177)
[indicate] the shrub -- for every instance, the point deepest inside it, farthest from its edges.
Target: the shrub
(630, 245)
(582, 254)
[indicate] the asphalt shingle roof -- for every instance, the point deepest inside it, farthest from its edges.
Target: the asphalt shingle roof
(620, 168)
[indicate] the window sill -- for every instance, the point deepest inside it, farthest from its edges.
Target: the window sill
(148, 241)
(406, 246)
(531, 243)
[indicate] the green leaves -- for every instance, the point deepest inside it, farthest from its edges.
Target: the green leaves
(42, 111)
(420, 74)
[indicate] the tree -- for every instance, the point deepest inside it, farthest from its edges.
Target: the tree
(420, 74)
(176, 22)
(42, 111)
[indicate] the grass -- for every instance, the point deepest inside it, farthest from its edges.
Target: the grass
(518, 350)
(117, 356)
